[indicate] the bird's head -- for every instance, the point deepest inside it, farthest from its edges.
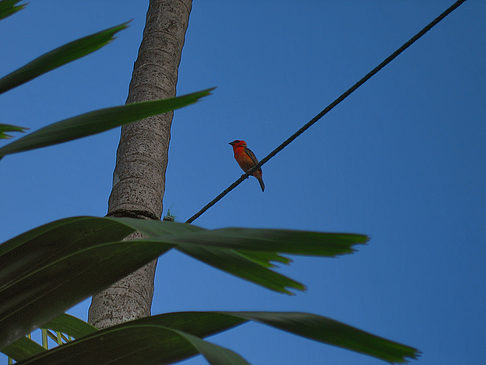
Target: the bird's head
(238, 143)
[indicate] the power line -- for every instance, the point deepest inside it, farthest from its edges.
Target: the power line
(330, 107)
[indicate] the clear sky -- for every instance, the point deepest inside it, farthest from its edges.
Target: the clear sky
(402, 159)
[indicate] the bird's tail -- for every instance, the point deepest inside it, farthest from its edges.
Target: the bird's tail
(262, 185)
(260, 180)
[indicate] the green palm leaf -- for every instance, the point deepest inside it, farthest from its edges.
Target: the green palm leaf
(146, 341)
(65, 323)
(36, 275)
(97, 121)
(58, 57)
(171, 337)
(9, 128)
(9, 7)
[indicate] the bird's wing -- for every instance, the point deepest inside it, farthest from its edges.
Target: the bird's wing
(251, 154)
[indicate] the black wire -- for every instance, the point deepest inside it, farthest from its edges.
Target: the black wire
(329, 107)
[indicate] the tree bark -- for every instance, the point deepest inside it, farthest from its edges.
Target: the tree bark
(139, 176)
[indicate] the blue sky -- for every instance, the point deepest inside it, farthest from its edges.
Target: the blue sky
(402, 159)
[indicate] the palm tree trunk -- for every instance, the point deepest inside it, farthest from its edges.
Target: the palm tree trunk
(139, 176)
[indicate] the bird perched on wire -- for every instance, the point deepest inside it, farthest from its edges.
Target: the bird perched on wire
(247, 159)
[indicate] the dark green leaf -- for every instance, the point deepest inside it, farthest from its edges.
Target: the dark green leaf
(229, 260)
(335, 333)
(308, 325)
(239, 265)
(70, 325)
(75, 230)
(258, 240)
(9, 128)
(200, 324)
(247, 253)
(154, 229)
(58, 57)
(146, 341)
(97, 121)
(9, 7)
(216, 355)
(265, 258)
(36, 274)
(37, 279)
(171, 337)
(22, 349)
(277, 240)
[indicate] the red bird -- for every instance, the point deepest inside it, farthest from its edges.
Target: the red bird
(247, 159)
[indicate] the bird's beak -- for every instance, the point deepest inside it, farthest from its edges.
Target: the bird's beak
(231, 143)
